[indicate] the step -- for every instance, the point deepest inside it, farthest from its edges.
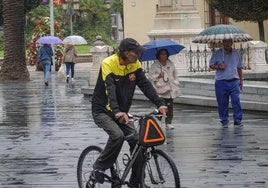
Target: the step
(194, 99)
(252, 90)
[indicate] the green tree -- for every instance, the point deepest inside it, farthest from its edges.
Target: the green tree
(28, 5)
(244, 10)
(42, 28)
(93, 19)
(38, 13)
(117, 6)
(38, 25)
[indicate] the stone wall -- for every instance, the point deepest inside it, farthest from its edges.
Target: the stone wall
(84, 58)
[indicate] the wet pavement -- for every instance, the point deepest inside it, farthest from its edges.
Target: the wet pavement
(44, 129)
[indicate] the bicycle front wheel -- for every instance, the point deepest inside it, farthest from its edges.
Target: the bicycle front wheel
(160, 171)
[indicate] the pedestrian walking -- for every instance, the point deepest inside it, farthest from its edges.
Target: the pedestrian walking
(165, 79)
(69, 58)
(45, 54)
(228, 82)
(118, 77)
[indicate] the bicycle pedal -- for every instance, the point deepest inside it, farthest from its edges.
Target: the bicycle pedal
(90, 184)
(91, 181)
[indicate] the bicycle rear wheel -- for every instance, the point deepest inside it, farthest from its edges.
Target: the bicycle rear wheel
(85, 167)
(160, 171)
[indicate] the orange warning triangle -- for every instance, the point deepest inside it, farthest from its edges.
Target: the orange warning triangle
(153, 133)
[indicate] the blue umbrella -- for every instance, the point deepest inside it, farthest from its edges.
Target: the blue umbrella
(152, 47)
(49, 40)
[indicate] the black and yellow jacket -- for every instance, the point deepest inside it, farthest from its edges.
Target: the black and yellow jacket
(116, 84)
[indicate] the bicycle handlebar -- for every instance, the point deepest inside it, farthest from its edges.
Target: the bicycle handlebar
(135, 117)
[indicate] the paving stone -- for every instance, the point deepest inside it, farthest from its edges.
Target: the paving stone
(43, 130)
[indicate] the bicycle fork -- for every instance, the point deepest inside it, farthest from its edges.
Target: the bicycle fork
(148, 166)
(132, 159)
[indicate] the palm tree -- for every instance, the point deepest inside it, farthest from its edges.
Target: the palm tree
(14, 67)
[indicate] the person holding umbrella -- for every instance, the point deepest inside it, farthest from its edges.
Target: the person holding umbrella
(228, 65)
(162, 73)
(69, 58)
(45, 54)
(228, 82)
(165, 79)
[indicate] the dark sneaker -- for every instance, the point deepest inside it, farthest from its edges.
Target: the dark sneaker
(46, 83)
(98, 175)
(238, 124)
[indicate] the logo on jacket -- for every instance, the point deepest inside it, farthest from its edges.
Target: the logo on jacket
(132, 77)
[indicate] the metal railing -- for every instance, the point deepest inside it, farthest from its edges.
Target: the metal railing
(198, 60)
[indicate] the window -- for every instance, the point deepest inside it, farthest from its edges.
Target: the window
(214, 17)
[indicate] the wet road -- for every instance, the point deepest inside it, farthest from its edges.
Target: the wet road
(43, 131)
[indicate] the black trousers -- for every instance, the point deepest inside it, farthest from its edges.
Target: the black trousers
(169, 104)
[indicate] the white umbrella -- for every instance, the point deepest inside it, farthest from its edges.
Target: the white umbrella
(74, 40)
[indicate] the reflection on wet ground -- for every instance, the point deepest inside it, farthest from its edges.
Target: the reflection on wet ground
(43, 130)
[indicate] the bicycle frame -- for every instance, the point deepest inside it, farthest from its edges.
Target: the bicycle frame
(130, 163)
(152, 163)
(133, 157)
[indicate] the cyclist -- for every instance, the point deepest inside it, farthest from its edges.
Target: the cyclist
(112, 97)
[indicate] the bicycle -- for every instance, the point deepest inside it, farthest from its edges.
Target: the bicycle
(158, 169)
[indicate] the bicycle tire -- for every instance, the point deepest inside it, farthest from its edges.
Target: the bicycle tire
(85, 166)
(159, 171)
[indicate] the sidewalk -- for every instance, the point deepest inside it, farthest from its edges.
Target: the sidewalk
(43, 131)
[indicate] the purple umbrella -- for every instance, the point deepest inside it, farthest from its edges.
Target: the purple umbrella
(49, 40)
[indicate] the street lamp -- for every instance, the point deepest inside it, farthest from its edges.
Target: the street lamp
(71, 6)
